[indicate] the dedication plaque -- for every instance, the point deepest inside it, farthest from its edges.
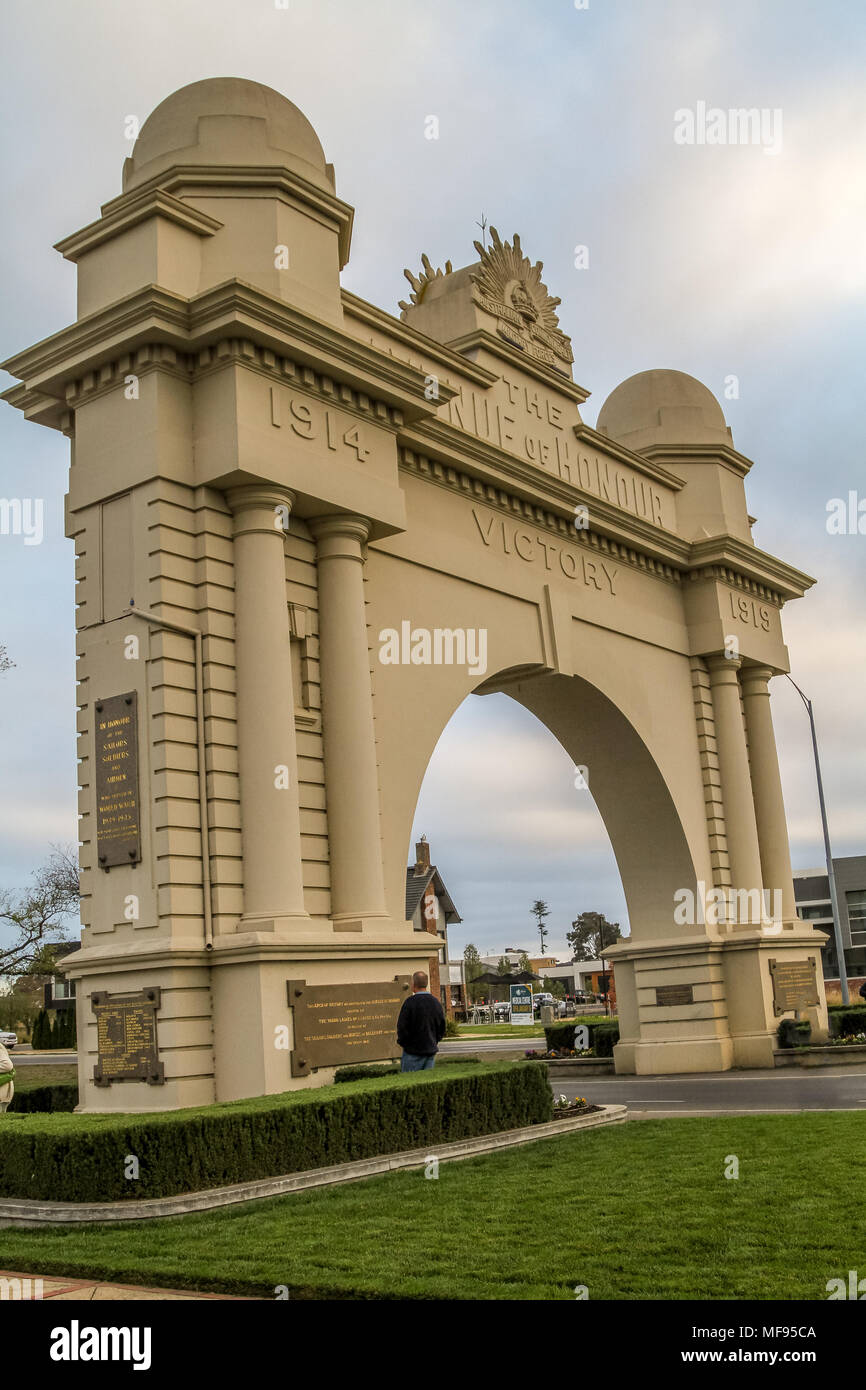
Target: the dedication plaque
(118, 831)
(795, 985)
(126, 1038)
(338, 1024)
(668, 995)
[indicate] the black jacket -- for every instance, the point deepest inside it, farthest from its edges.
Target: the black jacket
(421, 1025)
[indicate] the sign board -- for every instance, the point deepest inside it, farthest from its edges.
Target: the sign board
(795, 985)
(335, 1025)
(521, 1003)
(669, 995)
(118, 829)
(581, 1038)
(126, 1045)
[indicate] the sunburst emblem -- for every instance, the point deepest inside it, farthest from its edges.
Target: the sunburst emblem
(506, 276)
(420, 282)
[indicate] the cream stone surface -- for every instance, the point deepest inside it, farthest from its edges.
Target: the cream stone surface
(269, 475)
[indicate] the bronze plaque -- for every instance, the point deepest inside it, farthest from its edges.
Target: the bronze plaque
(118, 829)
(668, 995)
(795, 985)
(126, 1038)
(338, 1024)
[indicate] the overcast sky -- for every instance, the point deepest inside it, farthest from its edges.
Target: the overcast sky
(557, 123)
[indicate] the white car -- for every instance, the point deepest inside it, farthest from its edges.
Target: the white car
(8, 1040)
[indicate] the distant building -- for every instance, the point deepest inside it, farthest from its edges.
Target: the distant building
(429, 907)
(812, 896)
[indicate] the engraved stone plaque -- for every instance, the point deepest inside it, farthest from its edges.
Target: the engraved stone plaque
(126, 1038)
(342, 1023)
(118, 829)
(668, 995)
(795, 985)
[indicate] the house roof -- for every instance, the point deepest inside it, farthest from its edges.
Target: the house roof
(415, 886)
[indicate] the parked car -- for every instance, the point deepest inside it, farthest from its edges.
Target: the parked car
(8, 1040)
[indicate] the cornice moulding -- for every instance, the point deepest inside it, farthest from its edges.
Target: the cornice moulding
(587, 435)
(699, 453)
(250, 180)
(230, 310)
(155, 202)
(480, 338)
(387, 323)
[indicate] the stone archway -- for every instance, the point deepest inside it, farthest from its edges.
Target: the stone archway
(277, 473)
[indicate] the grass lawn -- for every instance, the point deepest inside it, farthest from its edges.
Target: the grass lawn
(27, 1078)
(500, 1030)
(640, 1211)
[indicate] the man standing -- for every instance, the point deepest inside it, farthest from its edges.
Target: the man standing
(420, 1027)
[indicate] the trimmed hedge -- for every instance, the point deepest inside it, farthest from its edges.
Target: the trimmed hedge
(847, 1020)
(366, 1073)
(603, 1034)
(41, 1100)
(82, 1158)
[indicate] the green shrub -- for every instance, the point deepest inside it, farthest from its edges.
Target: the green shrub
(845, 1021)
(361, 1073)
(452, 1028)
(81, 1158)
(41, 1100)
(561, 1035)
(794, 1033)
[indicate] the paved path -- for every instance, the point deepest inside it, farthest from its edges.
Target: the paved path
(724, 1093)
(72, 1289)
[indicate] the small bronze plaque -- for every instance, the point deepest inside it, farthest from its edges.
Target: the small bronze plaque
(118, 829)
(337, 1024)
(795, 985)
(126, 1038)
(668, 995)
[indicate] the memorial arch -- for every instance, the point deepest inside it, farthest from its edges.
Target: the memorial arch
(305, 530)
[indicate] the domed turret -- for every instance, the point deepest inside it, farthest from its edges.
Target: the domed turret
(227, 121)
(663, 407)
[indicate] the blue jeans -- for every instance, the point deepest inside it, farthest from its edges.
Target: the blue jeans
(412, 1061)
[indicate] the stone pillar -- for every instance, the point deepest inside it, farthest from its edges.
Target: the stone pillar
(270, 819)
(740, 825)
(351, 772)
(767, 788)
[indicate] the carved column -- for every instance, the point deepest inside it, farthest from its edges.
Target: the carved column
(740, 825)
(351, 773)
(270, 819)
(767, 788)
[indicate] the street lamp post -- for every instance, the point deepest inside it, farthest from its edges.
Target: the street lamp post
(831, 877)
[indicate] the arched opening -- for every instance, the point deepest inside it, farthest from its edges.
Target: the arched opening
(602, 772)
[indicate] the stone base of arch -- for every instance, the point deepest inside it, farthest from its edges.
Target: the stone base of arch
(707, 1004)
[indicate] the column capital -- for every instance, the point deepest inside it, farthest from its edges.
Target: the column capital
(340, 535)
(719, 662)
(759, 676)
(263, 507)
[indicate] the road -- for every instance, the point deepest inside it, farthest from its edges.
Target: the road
(20, 1058)
(725, 1093)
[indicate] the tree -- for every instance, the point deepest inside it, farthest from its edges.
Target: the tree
(473, 966)
(6, 662)
(524, 964)
(39, 917)
(540, 910)
(554, 987)
(504, 967)
(590, 934)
